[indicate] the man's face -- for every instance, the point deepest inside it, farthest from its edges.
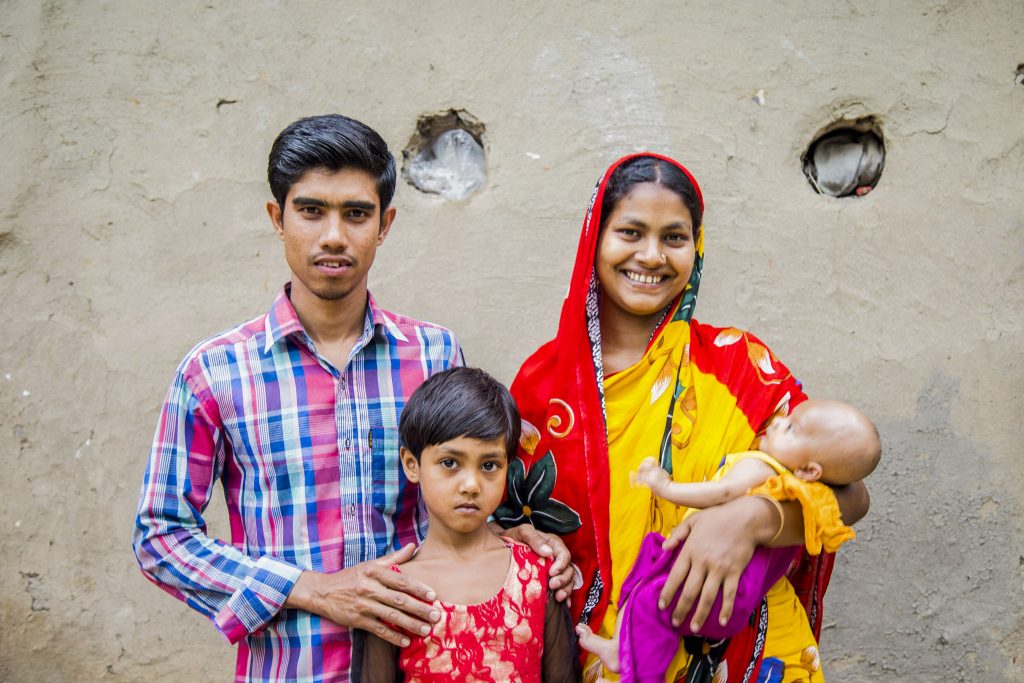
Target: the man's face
(331, 226)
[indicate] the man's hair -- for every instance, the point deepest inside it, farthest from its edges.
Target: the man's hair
(331, 142)
(459, 402)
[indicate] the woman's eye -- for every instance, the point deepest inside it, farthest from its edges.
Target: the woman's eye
(677, 238)
(629, 233)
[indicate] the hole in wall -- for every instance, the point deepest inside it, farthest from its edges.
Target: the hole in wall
(445, 155)
(1019, 76)
(846, 158)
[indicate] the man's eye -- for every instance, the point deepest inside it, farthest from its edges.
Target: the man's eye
(448, 463)
(310, 210)
(357, 214)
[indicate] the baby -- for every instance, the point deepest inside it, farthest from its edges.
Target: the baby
(820, 442)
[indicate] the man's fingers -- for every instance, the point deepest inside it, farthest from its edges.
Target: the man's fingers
(379, 629)
(393, 617)
(676, 576)
(403, 584)
(729, 588)
(708, 594)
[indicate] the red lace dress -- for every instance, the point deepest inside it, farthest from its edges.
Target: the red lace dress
(497, 640)
(522, 634)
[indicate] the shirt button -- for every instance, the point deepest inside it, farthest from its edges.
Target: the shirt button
(348, 442)
(351, 509)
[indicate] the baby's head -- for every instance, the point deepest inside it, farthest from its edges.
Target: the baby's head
(458, 431)
(825, 440)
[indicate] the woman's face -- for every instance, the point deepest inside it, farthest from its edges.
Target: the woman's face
(646, 251)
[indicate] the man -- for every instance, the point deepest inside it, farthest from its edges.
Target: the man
(297, 413)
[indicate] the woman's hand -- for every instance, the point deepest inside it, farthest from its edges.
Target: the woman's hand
(719, 543)
(545, 545)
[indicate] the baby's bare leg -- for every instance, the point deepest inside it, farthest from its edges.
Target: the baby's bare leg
(606, 649)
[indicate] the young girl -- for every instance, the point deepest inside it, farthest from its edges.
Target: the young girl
(498, 620)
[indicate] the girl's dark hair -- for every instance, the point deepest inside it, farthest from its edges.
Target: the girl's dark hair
(651, 170)
(333, 142)
(459, 402)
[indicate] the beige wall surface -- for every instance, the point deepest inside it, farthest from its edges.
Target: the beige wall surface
(134, 138)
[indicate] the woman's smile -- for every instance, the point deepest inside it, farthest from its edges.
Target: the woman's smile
(643, 279)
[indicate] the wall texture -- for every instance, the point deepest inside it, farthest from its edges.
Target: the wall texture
(134, 140)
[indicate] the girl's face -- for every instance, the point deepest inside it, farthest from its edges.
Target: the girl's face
(462, 481)
(646, 251)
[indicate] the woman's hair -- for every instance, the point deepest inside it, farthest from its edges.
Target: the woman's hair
(459, 402)
(333, 142)
(651, 170)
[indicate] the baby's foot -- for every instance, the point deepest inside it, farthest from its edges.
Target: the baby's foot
(606, 649)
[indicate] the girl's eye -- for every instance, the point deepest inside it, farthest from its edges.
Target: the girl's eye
(490, 467)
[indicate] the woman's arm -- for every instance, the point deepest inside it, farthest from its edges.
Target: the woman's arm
(721, 540)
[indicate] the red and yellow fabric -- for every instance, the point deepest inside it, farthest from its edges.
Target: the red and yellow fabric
(699, 392)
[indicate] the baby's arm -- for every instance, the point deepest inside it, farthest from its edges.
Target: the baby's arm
(743, 476)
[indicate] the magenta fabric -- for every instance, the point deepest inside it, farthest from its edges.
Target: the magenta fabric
(647, 639)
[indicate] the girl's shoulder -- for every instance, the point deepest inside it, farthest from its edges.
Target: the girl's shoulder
(524, 556)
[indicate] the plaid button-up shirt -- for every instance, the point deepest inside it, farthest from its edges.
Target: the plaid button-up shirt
(308, 458)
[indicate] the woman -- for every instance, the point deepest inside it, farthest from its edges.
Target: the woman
(630, 375)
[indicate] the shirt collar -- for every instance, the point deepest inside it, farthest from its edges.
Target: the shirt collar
(282, 320)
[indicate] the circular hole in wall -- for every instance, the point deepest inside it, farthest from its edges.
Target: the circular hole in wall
(846, 158)
(445, 155)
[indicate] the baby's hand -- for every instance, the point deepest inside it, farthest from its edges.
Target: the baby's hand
(651, 475)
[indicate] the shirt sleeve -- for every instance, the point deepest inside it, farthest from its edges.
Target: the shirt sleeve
(239, 593)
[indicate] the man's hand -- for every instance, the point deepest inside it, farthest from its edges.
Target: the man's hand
(545, 545)
(369, 596)
(719, 544)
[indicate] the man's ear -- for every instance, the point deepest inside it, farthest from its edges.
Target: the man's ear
(386, 219)
(809, 472)
(410, 465)
(274, 211)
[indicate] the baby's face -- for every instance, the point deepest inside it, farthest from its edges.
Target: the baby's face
(802, 436)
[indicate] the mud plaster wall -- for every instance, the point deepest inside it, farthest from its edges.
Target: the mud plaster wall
(134, 140)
